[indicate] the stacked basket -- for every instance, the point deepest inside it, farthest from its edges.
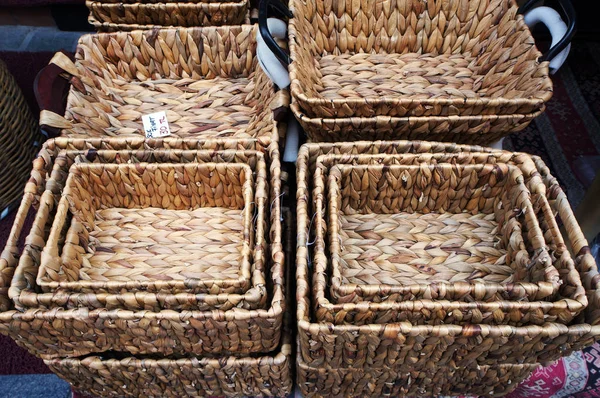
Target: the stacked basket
(128, 15)
(456, 71)
(156, 266)
(434, 269)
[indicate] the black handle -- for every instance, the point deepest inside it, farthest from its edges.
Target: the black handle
(571, 17)
(263, 11)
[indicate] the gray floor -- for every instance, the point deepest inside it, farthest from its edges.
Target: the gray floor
(36, 38)
(34, 386)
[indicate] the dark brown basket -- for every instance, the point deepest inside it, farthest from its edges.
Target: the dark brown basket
(434, 306)
(20, 139)
(207, 80)
(109, 16)
(497, 380)
(391, 345)
(55, 332)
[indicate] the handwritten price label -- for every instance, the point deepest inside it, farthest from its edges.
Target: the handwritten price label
(156, 125)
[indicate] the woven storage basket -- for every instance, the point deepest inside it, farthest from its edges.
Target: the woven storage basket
(268, 375)
(370, 206)
(60, 332)
(155, 226)
(388, 307)
(108, 16)
(20, 139)
(434, 58)
(497, 380)
(71, 296)
(207, 80)
(393, 345)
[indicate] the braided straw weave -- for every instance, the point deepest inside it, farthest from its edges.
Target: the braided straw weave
(497, 380)
(108, 16)
(435, 307)
(414, 58)
(413, 226)
(207, 80)
(19, 139)
(55, 332)
(473, 130)
(196, 234)
(393, 345)
(265, 375)
(128, 294)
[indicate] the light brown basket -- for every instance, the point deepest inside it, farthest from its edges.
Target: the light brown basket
(106, 16)
(20, 139)
(29, 297)
(392, 345)
(437, 308)
(375, 218)
(164, 227)
(55, 333)
(207, 80)
(416, 59)
(497, 380)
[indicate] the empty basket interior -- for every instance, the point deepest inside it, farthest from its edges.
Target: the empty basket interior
(402, 228)
(153, 226)
(414, 58)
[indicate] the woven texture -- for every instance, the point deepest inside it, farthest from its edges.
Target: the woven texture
(207, 80)
(196, 257)
(495, 380)
(433, 308)
(390, 345)
(406, 58)
(20, 139)
(106, 16)
(55, 333)
(128, 294)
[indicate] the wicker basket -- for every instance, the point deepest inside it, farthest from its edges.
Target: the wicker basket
(69, 295)
(164, 227)
(109, 16)
(496, 380)
(376, 216)
(20, 139)
(207, 80)
(455, 67)
(437, 308)
(393, 345)
(57, 332)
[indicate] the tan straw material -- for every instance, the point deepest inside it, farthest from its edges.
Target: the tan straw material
(497, 380)
(143, 15)
(153, 226)
(207, 80)
(393, 345)
(409, 230)
(54, 333)
(435, 307)
(407, 58)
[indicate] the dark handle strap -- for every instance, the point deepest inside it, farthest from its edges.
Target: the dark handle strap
(571, 17)
(263, 12)
(51, 90)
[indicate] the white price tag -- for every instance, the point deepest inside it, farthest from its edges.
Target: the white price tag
(156, 125)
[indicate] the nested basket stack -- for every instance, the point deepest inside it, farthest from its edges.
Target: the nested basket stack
(129, 15)
(434, 269)
(153, 254)
(464, 71)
